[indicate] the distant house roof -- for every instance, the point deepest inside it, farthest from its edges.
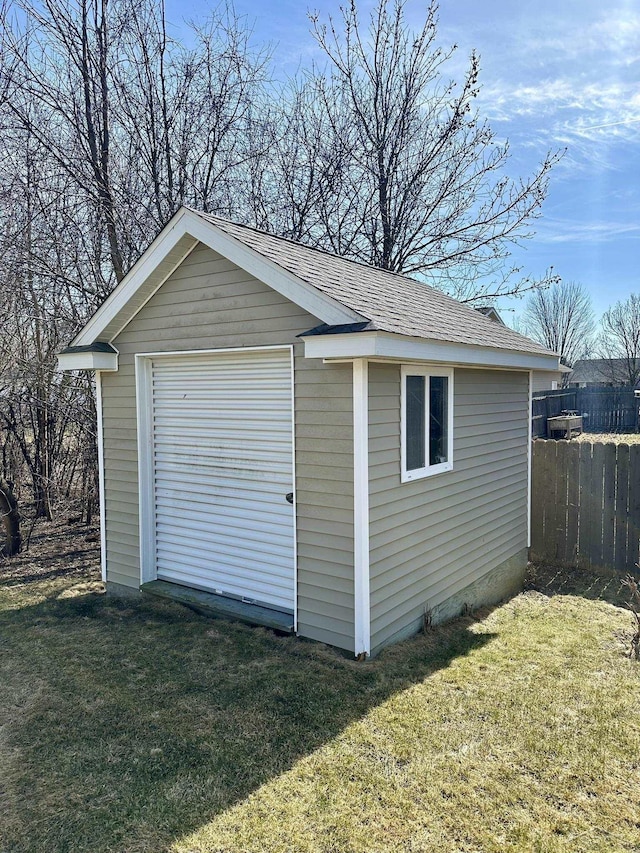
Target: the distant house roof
(364, 311)
(490, 312)
(388, 301)
(600, 371)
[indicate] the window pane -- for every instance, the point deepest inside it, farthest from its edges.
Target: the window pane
(438, 426)
(415, 399)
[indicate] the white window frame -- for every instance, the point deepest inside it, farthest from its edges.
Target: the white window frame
(427, 371)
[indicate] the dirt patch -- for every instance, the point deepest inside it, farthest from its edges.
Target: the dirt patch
(56, 550)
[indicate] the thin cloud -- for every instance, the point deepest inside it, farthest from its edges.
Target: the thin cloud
(612, 124)
(591, 232)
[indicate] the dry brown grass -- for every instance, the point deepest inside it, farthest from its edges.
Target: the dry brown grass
(609, 437)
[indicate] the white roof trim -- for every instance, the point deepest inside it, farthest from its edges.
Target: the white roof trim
(187, 222)
(386, 345)
(107, 361)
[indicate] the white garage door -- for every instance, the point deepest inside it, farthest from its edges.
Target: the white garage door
(222, 469)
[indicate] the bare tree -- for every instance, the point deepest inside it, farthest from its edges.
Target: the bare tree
(298, 188)
(64, 56)
(620, 339)
(561, 317)
(422, 179)
(190, 118)
(9, 521)
(107, 126)
(139, 123)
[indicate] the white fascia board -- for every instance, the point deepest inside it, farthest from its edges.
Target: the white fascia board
(107, 361)
(384, 345)
(188, 223)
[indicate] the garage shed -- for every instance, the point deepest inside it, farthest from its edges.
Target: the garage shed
(304, 441)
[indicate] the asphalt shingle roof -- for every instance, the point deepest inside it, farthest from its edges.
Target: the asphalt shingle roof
(390, 302)
(601, 371)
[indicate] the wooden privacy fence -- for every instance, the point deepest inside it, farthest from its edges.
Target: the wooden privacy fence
(603, 409)
(585, 509)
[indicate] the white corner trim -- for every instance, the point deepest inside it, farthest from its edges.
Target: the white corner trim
(106, 361)
(386, 345)
(529, 458)
(146, 502)
(101, 480)
(188, 223)
(295, 489)
(362, 605)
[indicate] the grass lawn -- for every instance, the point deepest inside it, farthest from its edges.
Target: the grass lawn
(140, 726)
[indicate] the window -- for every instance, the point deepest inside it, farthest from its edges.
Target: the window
(427, 421)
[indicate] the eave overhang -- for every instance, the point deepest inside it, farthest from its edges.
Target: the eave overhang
(386, 346)
(95, 356)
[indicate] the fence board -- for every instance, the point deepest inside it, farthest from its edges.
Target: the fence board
(570, 551)
(538, 476)
(586, 505)
(633, 521)
(586, 508)
(620, 556)
(560, 474)
(597, 486)
(609, 505)
(550, 510)
(603, 409)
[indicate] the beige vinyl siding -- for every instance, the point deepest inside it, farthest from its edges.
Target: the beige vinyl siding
(209, 303)
(433, 537)
(543, 380)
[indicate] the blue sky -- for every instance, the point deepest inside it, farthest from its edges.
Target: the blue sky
(555, 74)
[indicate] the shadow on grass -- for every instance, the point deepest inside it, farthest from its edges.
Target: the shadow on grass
(39, 574)
(133, 723)
(58, 554)
(561, 580)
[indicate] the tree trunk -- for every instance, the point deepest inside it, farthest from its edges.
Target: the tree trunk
(10, 521)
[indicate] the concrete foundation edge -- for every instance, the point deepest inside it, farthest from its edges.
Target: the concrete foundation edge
(498, 584)
(120, 590)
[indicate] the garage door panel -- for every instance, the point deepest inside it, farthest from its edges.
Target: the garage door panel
(222, 459)
(204, 491)
(229, 584)
(231, 457)
(221, 515)
(227, 564)
(263, 525)
(200, 540)
(200, 483)
(193, 435)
